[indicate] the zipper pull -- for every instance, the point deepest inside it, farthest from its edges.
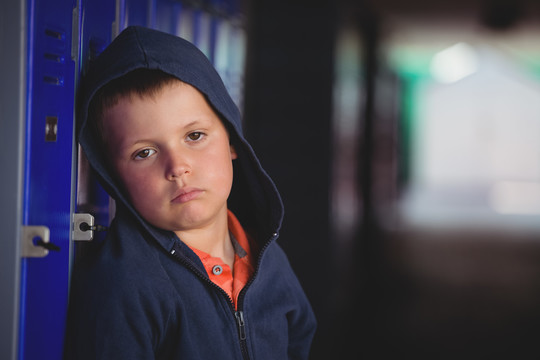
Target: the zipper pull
(241, 325)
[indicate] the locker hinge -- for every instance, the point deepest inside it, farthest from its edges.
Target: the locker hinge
(36, 241)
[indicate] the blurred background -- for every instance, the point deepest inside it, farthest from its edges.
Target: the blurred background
(404, 137)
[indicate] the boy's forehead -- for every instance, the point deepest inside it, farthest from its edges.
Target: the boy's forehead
(178, 97)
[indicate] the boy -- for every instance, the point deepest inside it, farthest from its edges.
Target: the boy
(190, 268)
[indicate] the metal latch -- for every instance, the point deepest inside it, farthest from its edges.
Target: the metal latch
(36, 241)
(83, 227)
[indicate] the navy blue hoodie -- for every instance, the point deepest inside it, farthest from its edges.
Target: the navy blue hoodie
(142, 293)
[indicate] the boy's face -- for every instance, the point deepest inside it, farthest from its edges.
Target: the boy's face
(172, 154)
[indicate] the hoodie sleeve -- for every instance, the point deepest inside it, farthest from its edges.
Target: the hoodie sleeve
(302, 325)
(278, 314)
(111, 327)
(118, 309)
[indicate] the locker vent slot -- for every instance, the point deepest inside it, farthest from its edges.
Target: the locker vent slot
(54, 80)
(54, 57)
(58, 35)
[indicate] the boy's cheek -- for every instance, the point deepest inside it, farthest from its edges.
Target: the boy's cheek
(129, 180)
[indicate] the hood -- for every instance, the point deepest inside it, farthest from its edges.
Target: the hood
(254, 198)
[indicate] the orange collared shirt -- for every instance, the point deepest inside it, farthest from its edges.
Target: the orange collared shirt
(231, 280)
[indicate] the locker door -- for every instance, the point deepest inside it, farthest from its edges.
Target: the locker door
(48, 179)
(99, 25)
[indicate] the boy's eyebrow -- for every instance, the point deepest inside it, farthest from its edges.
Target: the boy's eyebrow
(199, 120)
(193, 123)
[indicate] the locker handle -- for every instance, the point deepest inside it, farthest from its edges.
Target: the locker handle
(47, 245)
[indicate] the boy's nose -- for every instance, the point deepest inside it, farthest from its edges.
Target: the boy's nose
(177, 166)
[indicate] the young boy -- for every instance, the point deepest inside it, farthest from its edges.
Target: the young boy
(190, 267)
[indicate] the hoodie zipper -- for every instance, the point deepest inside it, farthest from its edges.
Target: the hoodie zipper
(238, 312)
(242, 332)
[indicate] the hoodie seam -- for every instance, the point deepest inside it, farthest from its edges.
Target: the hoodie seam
(141, 47)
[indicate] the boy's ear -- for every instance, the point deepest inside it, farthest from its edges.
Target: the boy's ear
(234, 155)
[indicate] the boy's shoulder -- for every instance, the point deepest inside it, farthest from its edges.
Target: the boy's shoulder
(122, 258)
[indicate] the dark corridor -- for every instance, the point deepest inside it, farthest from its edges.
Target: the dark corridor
(441, 276)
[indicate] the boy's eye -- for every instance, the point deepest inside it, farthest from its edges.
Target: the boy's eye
(143, 154)
(194, 136)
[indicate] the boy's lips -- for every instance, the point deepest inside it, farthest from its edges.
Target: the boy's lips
(186, 194)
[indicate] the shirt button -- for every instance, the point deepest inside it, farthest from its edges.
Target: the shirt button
(217, 270)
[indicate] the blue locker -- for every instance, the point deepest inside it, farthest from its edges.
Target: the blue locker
(61, 34)
(99, 24)
(138, 12)
(47, 200)
(48, 180)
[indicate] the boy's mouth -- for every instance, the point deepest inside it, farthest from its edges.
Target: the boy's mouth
(186, 194)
